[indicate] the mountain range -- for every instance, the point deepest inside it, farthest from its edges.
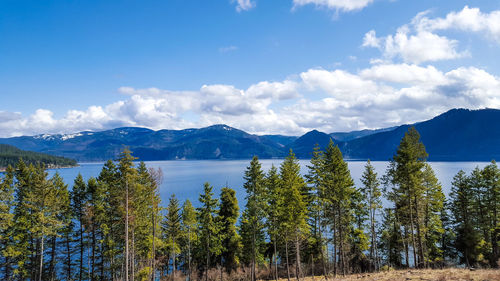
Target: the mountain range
(456, 135)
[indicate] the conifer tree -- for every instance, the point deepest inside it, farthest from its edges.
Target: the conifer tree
(128, 180)
(252, 224)
(273, 207)
(464, 213)
(6, 220)
(295, 206)
(317, 205)
(372, 194)
(79, 198)
(172, 230)
(405, 173)
(190, 237)
(228, 215)
(208, 227)
(338, 191)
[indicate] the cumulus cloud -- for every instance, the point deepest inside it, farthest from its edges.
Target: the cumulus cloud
(244, 5)
(414, 47)
(338, 5)
(382, 95)
(468, 19)
(418, 41)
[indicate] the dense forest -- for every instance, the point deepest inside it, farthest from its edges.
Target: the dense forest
(114, 227)
(9, 155)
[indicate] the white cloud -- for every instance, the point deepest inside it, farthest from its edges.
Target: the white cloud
(422, 46)
(244, 5)
(418, 41)
(382, 95)
(370, 39)
(338, 5)
(468, 19)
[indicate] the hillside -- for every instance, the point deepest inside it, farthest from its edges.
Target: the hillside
(457, 135)
(9, 155)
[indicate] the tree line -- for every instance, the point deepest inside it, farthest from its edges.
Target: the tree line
(9, 155)
(114, 227)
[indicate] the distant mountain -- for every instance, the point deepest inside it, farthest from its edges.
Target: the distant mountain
(10, 155)
(347, 136)
(214, 142)
(458, 134)
(303, 146)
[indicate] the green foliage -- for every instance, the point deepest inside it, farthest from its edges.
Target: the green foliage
(10, 155)
(231, 241)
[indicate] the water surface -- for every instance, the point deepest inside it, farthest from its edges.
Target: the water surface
(186, 178)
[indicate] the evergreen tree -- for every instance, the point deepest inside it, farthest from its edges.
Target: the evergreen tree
(128, 181)
(228, 215)
(372, 194)
(295, 206)
(190, 237)
(172, 230)
(338, 189)
(209, 229)
(273, 208)
(317, 205)
(463, 213)
(7, 189)
(79, 198)
(252, 225)
(405, 173)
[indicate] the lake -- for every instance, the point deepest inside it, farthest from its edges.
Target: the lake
(186, 178)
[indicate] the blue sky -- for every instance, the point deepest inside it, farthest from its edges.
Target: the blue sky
(280, 66)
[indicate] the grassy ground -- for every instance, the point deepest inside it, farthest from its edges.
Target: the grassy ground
(425, 274)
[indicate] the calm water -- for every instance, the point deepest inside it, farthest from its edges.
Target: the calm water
(186, 178)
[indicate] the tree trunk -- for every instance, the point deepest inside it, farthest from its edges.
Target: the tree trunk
(153, 255)
(287, 263)
(275, 260)
(40, 272)
(93, 252)
(68, 257)
(126, 232)
(298, 269)
(52, 266)
(81, 249)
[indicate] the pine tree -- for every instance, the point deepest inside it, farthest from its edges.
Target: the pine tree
(62, 209)
(190, 237)
(272, 197)
(433, 205)
(43, 203)
(405, 173)
(372, 194)
(253, 224)
(295, 206)
(464, 213)
(338, 189)
(128, 180)
(491, 183)
(110, 219)
(208, 227)
(7, 189)
(317, 206)
(228, 215)
(79, 198)
(172, 230)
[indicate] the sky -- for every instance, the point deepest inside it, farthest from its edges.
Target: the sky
(263, 66)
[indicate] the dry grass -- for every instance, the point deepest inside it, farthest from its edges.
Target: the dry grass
(424, 274)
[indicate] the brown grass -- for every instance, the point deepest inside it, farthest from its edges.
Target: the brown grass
(419, 274)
